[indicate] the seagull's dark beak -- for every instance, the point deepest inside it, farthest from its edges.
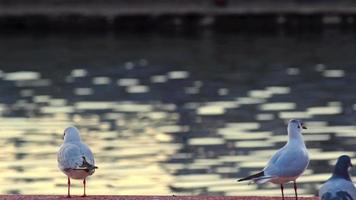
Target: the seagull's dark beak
(303, 126)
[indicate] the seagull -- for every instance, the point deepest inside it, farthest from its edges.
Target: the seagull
(75, 158)
(288, 163)
(339, 185)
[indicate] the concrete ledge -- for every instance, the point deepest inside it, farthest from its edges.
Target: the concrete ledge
(94, 197)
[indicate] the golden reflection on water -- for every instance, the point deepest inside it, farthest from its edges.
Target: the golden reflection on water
(151, 147)
(128, 164)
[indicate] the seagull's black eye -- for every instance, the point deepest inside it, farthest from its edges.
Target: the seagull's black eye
(298, 126)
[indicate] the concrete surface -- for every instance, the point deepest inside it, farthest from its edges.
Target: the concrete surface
(49, 197)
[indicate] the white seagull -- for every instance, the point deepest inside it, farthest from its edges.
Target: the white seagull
(339, 185)
(75, 158)
(288, 163)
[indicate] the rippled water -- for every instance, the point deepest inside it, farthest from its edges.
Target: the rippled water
(173, 114)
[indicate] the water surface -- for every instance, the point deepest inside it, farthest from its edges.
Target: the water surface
(173, 114)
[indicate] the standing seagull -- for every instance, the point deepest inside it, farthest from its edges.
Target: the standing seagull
(288, 163)
(339, 185)
(75, 158)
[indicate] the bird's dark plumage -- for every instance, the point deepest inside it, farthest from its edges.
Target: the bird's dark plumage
(259, 174)
(342, 166)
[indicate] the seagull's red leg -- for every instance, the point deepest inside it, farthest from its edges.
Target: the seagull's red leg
(68, 187)
(84, 183)
(282, 191)
(295, 190)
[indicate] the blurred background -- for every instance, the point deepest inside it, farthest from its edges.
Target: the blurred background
(174, 97)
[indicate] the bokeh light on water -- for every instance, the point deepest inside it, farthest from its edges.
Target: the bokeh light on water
(172, 115)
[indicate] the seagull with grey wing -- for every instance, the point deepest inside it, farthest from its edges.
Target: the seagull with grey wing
(288, 163)
(75, 159)
(339, 185)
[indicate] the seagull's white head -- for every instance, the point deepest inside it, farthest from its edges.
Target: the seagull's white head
(295, 127)
(71, 134)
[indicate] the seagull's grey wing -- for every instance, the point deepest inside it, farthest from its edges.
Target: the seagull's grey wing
(69, 157)
(276, 156)
(270, 169)
(86, 152)
(337, 188)
(288, 162)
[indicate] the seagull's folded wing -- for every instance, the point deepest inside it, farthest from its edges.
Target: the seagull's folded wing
(287, 162)
(86, 152)
(69, 157)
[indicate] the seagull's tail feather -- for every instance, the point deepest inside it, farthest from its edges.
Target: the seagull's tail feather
(258, 178)
(252, 177)
(87, 166)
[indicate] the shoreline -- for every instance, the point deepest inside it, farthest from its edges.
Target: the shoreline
(160, 14)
